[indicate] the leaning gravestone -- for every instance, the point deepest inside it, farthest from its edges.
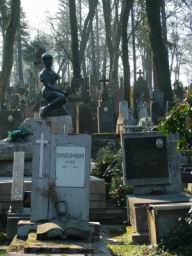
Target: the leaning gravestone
(61, 174)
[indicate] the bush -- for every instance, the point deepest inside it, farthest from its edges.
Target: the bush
(180, 240)
(179, 120)
(109, 168)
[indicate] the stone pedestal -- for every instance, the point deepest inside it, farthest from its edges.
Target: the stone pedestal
(61, 124)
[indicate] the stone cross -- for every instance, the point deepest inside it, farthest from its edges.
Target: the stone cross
(140, 73)
(17, 183)
(41, 142)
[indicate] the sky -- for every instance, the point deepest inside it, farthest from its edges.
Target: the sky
(36, 15)
(37, 11)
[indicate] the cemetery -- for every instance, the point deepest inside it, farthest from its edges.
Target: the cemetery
(95, 128)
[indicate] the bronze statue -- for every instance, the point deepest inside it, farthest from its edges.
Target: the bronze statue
(55, 99)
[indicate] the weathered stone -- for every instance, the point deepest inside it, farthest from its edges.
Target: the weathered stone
(137, 207)
(17, 184)
(24, 227)
(164, 219)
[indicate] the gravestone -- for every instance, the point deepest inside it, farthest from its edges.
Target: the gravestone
(143, 154)
(141, 97)
(151, 162)
(151, 165)
(85, 118)
(61, 173)
(17, 183)
(122, 120)
(106, 116)
(17, 191)
(157, 106)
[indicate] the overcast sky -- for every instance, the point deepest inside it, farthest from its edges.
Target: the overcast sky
(37, 11)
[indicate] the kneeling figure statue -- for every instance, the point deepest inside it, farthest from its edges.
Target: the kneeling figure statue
(55, 98)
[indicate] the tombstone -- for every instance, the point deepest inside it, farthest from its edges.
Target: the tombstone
(141, 97)
(157, 106)
(61, 173)
(17, 191)
(93, 87)
(142, 155)
(17, 184)
(151, 165)
(85, 118)
(123, 117)
(142, 110)
(106, 116)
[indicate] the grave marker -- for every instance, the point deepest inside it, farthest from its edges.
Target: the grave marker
(145, 159)
(61, 192)
(17, 183)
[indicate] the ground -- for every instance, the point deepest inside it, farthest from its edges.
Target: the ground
(119, 243)
(117, 238)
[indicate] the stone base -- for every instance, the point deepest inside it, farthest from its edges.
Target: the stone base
(34, 246)
(137, 207)
(164, 218)
(97, 192)
(61, 124)
(47, 230)
(140, 238)
(12, 222)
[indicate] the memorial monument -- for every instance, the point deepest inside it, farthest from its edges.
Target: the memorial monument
(60, 169)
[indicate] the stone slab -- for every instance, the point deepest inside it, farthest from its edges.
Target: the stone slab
(18, 172)
(24, 227)
(97, 192)
(163, 219)
(137, 207)
(140, 238)
(144, 161)
(150, 162)
(35, 246)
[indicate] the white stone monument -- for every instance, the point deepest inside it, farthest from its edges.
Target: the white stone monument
(60, 180)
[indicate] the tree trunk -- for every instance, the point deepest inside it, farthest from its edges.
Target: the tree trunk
(74, 44)
(20, 59)
(87, 27)
(127, 5)
(160, 53)
(133, 46)
(93, 59)
(8, 46)
(98, 59)
(148, 65)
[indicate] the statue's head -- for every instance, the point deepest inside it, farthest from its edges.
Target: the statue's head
(47, 59)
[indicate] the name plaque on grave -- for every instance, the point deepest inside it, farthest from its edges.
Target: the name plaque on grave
(70, 166)
(145, 158)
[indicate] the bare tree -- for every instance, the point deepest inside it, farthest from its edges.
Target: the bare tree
(127, 6)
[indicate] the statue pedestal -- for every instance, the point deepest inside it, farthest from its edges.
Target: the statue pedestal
(61, 124)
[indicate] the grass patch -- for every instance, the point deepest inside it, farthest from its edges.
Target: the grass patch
(124, 247)
(2, 252)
